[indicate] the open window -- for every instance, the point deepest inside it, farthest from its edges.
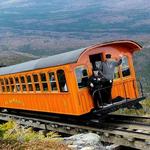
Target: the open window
(17, 84)
(29, 81)
(44, 81)
(7, 85)
(125, 66)
(52, 81)
(116, 73)
(62, 81)
(36, 82)
(22, 79)
(95, 60)
(82, 76)
(12, 84)
(2, 85)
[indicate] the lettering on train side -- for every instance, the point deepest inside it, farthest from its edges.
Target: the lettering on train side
(14, 101)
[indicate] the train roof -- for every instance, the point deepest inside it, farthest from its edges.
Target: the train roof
(61, 59)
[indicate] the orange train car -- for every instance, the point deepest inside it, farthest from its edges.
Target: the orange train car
(55, 84)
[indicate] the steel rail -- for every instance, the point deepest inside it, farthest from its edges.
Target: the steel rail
(110, 132)
(124, 116)
(130, 119)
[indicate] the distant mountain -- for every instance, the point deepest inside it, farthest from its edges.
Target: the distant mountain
(46, 27)
(34, 28)
(13, 57)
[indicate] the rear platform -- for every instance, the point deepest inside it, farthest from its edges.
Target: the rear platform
(125, 103)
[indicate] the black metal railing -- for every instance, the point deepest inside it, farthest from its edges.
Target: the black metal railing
(140, 90)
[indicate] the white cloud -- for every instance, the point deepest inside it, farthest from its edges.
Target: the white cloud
(14, 3)
(142, 23)
(122, 5)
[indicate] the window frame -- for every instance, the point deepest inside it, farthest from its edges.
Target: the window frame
(30, 83)
(17, 84)
(3, 86)
(13, 90)
(26, 84)
(36, 82)
(23, 83)
(7, 86)
(56, 81)
(129, 66)
(119, 72)
(59, 82)
(85, 67)
(46, 81)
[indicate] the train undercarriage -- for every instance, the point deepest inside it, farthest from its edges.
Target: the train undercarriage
(125, 103)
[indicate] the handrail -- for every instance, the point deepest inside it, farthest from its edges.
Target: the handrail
(102, 88)
(99, 92)
(141, 87)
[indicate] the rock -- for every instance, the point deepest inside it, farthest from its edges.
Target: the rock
(89, 141)
(88, 148)
(113, 147)
(73, 146)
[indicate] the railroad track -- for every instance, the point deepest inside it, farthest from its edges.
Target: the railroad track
(131, 131)
(139, 121)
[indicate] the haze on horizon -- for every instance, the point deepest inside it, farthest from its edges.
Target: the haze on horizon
(47, 27)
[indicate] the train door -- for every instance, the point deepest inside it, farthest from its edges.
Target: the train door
(95, 59)
(124, 81)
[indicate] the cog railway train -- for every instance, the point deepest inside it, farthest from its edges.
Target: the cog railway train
(55, 84)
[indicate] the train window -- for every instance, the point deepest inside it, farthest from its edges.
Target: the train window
(12, 84)
(7, 85)
(43, 77)
(125, 66)
(2, 82)
(62, 81)
(45, 86)
(11, 80)
(35, 77)
(12, 88)
(3, 88)
(16, 80)
(52, 81)
(36, 82)
(30, 87)
(24, 88)
(29, 83)
(2, 85)
(37, 87)
(8, 88)
(44, 82)
(82, 76)
(6, 81)
(116, 73)
(28, 79)
(17, 88)
(22, 79)
(17, 84)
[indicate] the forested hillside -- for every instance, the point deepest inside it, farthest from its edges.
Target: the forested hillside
(30, 29)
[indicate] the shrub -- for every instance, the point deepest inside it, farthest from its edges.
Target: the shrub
(15, 136)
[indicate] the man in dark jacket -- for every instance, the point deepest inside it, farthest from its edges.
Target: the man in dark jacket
(94, 88)
(107, 69)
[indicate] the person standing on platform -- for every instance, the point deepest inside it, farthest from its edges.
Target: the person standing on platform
(107, 69)
(94, 87)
